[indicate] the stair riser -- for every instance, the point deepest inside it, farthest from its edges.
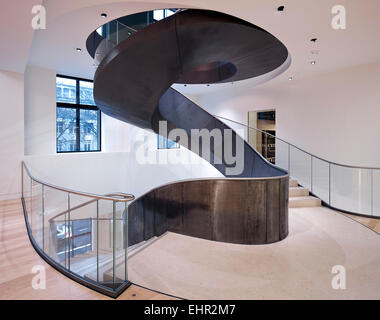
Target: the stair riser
(298, 192)
(304, 203)
(293, 183)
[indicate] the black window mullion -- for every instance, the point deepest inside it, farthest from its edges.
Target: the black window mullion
(77, 148)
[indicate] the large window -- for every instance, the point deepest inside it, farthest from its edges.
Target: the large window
(78, 119)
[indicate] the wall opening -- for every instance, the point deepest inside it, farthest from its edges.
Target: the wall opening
(264, 120)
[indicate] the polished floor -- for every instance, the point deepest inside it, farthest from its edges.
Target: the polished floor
(298, 267)
(17, 258)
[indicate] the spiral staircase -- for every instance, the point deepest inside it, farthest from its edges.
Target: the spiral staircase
(137, 67)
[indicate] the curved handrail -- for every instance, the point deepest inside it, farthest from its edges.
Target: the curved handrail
(87, 203)
(59, 248)
(351, 191)
(119, 197)
(310, 154)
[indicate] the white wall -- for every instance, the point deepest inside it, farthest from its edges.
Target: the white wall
(40, 111)
(334, 115)
(40, 117)
(11, 133)
(103, 173)
(119, 167)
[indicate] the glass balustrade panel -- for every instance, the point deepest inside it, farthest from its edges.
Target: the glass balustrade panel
(57, 231)
(83, 253)
(300, 167)
(36, 221)
(376, 192)
(351, 189)
(320, 179)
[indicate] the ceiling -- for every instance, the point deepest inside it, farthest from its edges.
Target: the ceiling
(16, 34)
(69, 22)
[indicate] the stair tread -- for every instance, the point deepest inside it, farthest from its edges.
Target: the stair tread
(304, 198)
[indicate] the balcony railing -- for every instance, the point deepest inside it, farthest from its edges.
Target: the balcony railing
(83, 235)
(351, 189)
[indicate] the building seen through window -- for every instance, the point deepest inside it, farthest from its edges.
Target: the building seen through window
(78, 119)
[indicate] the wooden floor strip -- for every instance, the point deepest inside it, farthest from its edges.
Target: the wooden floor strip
(17, 258)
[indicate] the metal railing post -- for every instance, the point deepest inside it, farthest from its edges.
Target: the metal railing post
(97, 240)
(31, 204)
(311, 174)
(43, 217)
(126, 241)
(113, 243)
(329, 184)
(22, 180)
(372, 192)
(69, 229)
(117, 32)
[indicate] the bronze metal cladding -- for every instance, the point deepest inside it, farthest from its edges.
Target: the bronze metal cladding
(133, 84)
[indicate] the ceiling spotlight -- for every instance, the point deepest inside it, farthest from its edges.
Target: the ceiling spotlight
(281, 8)
(313, 62)
(78, 49)
(314, 40)
(103, 15)
(290, 78)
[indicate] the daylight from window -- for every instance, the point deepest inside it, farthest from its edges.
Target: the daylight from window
(78, 119)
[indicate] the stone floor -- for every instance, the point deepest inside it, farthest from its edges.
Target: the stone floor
(299, 267)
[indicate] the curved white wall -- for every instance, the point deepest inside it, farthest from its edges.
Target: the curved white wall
(335, 115)
(118, 168)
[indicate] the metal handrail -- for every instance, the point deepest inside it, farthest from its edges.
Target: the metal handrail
(118, 197)
(124, 25)
(310, 154)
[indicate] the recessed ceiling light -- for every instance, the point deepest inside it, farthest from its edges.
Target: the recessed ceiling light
(103, 15)
(185, 85)
(78, 49)
(281, 8)
(290, 78)
(313, 62)
(207, 85)
(313, 40)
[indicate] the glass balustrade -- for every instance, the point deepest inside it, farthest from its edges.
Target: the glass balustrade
(116, 31)
(83, 235)
(347, 188)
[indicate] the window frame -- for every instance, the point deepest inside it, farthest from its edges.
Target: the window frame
(78, 107)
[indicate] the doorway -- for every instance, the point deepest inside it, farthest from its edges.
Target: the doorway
(264, 142)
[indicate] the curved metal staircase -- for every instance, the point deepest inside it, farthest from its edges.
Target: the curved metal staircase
(133, 84)
(139, 60)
